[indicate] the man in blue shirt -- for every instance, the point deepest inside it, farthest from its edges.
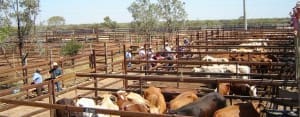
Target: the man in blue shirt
(55, 72)
(36, 79)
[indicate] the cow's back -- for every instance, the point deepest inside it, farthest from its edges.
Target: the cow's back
(203, 107)
(64, 113)
(237, 110)
(155, 98)
(183, 99)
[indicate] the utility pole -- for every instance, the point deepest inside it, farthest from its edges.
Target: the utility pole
(245, 18)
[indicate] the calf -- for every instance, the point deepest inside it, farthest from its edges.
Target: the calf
(203, 107)
(155, 98)
(183, 99)
(239, 110)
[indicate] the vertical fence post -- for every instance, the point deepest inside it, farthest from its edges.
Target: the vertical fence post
(177, 42)
(112, 60)
(105, 57)
(51, 92)
(125, 82)
(93, 58)
(297, 44)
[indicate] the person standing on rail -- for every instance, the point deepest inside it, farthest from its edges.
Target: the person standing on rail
(55, 72)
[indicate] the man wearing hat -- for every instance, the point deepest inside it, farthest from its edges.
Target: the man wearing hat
(37, 78)
(55, 72)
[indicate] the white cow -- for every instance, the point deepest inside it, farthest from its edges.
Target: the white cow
(256, 42)
(86, 103)
(243, 69)
(107, 103)
(241, 50)
(213, 59)
(223, 69)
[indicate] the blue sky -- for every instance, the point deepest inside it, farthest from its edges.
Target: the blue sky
(93, 11)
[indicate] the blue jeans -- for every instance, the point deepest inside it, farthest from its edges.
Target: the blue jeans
(58, 87)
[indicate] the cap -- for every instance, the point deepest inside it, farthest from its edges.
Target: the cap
(55, 64)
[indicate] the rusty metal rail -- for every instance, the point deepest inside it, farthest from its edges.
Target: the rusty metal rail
(190, 79)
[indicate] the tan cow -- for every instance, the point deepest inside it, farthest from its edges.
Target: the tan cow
(155, 98)
(183, 99)
(240, 110)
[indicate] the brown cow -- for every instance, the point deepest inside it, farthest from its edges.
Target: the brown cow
(171, 92)
(183, 99)
(155, 98)
(240, 110)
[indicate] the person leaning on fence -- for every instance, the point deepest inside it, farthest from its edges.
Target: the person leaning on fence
(128, 56)
(55, 72)
(37, 78)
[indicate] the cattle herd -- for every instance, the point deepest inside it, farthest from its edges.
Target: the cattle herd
(187, 103)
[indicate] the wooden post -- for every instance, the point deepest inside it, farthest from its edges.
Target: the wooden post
(297, 44)
(51, 91)
(177, 42)
(105, 57)
(97, 35)
(164, 41)
(112, 60)
(93, 58)
(125, 82)
(147, 60)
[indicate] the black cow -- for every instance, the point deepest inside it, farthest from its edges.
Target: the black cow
(203, 107)
(64, 113)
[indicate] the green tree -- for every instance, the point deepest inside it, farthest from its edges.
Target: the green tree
(24, 13)
(56, 21)
(71, 48)
(145, 17)
(173, 13)
(108, 23)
